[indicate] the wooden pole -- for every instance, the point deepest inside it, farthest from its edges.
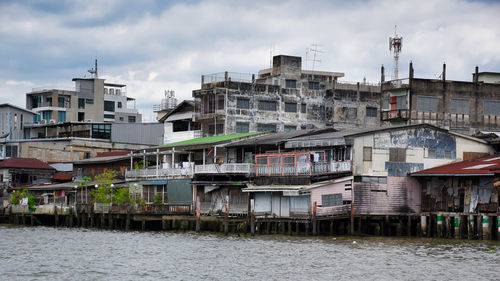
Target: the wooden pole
(252, 217)
(314, 223)
(351, 230)
(226, 218)
(198, 222)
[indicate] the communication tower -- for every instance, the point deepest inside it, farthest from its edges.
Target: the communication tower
(395, 44)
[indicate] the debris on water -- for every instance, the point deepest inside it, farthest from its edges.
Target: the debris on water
(354, 242)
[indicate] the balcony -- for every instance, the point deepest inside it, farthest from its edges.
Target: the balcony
(230, 168)
(398, 114)
(154, 173)
(396, 84)
(298, 164)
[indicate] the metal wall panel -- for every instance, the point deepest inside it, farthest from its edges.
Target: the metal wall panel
(262, 202)
(179, 192)
(138, 133)
(299, 204)
(285, 207)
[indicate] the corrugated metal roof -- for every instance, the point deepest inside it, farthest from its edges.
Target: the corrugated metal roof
(481, 167)
(275, 138)
(210, 140)
(113, 153)
(26, 163)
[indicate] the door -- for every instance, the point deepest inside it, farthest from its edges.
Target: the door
(285, 207)
(276, 205)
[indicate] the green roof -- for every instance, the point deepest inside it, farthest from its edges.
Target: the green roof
(213, 139)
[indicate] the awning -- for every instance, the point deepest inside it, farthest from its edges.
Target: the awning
(180, 116)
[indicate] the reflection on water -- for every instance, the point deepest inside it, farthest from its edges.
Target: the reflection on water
(44, 253)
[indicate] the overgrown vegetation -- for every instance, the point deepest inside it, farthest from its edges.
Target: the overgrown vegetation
(107, 193)
(141, 164)
(17, 197)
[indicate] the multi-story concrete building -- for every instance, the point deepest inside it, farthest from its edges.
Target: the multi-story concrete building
(92, 100)
(464, 107)
(12, 121)
(283, 98)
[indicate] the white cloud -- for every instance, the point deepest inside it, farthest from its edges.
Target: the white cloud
(151, 51)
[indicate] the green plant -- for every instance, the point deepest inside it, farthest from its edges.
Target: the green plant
(17, 196)
(104, 192)
(157, 199)
(141, 164)
(122, 196)
(31, 203)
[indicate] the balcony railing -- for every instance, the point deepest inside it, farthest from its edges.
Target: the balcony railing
(229, 168)
(302, 169)
(159, 173)
(395, 114)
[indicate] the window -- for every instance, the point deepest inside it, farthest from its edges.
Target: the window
(220, 129)
(109, 116)
(81, 103)
(371, 112)
(119, 104)
(46, 115)
(267, 105)
(460, 106)
(89, 101)
(49, 101)
(448, 154)
(290, 84)
(101, 131)
(385, 104)
(243, 103)
(431, 153)
(290, 107)
(313, 85)
(331, 200)
(36, 100)
(81, 116)
(61, 116)
(109, 106)
(427, 104)
(380, 180)
(131, 119)
(105, 91)
(397, 154)
(121, 118)
(242, 128)
(491, 107)
(117, 92)
(11, 151)
(367, 153)
(111, 91)
(60, 101)
(290, 128)
(401, 102)
(266, 127)
(303, 108)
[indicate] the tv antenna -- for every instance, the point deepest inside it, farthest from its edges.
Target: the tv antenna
(314, 50)
(395, 45)
(93, 71)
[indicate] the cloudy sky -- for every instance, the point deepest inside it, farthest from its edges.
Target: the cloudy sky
(156, 45)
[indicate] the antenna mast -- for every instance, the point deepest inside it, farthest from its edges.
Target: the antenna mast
(315, 51)
(93, 71)
(395, 44)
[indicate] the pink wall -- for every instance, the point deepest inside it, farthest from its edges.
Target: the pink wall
(338, 187)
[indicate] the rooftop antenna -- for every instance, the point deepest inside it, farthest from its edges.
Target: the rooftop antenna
(271, 53)
(314, 50)
(395, 44)
(93, 71)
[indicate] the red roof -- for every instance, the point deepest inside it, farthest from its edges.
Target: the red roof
(63, 176)
(113, 153)
(484, 166)
(27, 163)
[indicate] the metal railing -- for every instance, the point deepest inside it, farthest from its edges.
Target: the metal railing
(229, 76)
(229, 168)
(159, 173)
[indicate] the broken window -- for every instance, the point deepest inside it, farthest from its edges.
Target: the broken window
(397, 154)
(243, 103)
(267, 105)
(290, 84)
(371, 112)
(290, 107)
(427, 104)
(242, 128)
(313, 85)
(491, 107)
(367, 153)
(460, 106)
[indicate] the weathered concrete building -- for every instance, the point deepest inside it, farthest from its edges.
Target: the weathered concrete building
(464, 107)
(12, 121)
(283, 98)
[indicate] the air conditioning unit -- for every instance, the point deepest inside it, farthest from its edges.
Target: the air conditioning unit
(88, 120)
(52, 121)
(43, 122)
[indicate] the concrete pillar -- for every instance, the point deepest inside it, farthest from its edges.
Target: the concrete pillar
(423, 225)
(470, 232)
(486, 227)
(456, 233)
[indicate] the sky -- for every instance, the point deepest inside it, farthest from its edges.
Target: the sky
(152, 46)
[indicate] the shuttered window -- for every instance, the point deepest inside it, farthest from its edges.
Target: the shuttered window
(243, 103)
(491, 107)
(290, 84)
(460, 106)
(267, 105)
(290, 107)
(266, 127)
(397, 154)
(367, 153)
(242, 128)
(331, 200)
(427, 104)
(401, 102)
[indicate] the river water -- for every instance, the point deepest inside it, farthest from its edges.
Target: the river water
(43, 253)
